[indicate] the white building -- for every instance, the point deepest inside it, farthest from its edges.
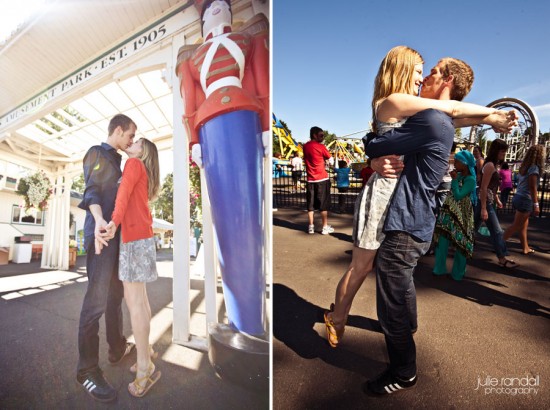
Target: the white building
(16, 221)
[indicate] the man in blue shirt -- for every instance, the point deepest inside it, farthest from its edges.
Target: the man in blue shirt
(425, 140)
(104, 293)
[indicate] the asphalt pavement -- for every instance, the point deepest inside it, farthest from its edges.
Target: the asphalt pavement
(39, 313)
(483, 343)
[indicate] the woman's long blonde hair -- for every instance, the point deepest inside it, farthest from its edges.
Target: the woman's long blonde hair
(150, 158)
(536, 155)
(395, 75)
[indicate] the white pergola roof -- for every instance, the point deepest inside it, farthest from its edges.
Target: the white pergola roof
(54, 44)
(65, 35)
(70, 130)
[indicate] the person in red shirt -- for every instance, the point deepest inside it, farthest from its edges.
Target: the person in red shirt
(137, 261)
(318, 183)
(366, 172)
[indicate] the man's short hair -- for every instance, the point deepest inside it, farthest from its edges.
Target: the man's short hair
(314, 131)
(122, 121)
(463, 76)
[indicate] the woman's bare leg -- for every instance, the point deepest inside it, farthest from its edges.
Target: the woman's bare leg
(523, 235)
(517, 226)
(361, 264)
(135, 294)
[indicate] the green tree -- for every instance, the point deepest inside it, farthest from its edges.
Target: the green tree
(329, 137)
(276, 143)
(79, 184)
(458, 134)
(276, 146)
(195, 197)
(163, 205)
(285, 126)
(481, 139)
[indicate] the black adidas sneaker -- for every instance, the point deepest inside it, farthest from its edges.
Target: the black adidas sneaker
(387, 384)
(97, 386)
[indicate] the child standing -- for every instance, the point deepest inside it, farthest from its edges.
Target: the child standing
(455, 223)
(297, 168)
(506, 186)
(342, 183)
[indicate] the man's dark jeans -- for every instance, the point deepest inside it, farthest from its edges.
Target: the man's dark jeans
(396, 298)
(104, 295)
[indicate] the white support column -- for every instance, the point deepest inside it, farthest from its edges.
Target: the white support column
(55, 250)
(181, 277)
(210, 258)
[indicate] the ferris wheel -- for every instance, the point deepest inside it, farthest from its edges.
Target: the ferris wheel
(522, 137)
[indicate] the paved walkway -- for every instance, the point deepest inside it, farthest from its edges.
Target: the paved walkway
(39, 312)
(496, 324)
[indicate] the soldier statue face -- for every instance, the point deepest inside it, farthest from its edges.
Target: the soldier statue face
(215, 18)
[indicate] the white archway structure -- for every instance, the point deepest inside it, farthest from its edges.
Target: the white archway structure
(135, 75)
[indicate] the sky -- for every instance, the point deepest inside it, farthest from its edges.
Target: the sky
(326, 54)
(15, 13)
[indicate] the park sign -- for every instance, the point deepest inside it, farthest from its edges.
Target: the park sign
(164, 28)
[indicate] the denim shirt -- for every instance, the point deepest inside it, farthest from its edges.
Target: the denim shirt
(101, 174)
(523, 182)
(425, 140)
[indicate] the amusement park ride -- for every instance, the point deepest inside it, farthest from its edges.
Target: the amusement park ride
(522, 138)
(287, 145)
(351, 149)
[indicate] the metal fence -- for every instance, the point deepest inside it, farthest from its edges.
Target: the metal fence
(286, 195)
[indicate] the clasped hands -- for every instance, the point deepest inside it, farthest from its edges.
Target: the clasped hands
(104, 232)
(503, 121)
(389, 166)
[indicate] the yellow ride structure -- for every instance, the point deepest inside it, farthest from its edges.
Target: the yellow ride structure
(350, 149)
(286, 143)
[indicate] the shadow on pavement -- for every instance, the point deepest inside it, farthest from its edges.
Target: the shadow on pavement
(289, 225)
(302, 228)
(470, 289)
(491, 265)
(293, 322)
(342, 236)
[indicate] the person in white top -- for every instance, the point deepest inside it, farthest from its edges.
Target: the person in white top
(297, 168)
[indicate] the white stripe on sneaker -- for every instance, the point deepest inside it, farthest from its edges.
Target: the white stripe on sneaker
(89, 385)
(391, 388)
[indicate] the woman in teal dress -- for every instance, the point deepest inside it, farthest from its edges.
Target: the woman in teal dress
(455, 223)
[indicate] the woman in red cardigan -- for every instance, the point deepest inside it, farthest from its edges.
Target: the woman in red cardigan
(137, 260)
